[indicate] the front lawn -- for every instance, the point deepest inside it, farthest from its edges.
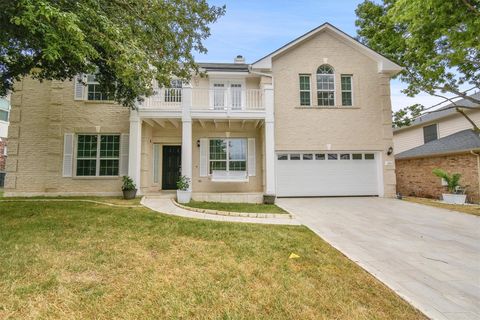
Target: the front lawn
(77, 260)
(237, 207)
(467, 208)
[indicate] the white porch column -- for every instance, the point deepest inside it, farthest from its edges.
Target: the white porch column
(187, 134)
(269, 141)
(135, 148)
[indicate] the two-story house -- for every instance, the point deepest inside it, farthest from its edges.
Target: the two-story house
(312, 118)
(441, 139)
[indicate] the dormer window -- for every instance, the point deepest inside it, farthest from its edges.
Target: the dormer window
(325, 86)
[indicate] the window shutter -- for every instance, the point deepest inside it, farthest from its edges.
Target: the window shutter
(251, 157)
(203, 157)
(79, 87)
(68, 154)
(124, 140)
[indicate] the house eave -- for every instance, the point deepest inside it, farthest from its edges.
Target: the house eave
(384, 64)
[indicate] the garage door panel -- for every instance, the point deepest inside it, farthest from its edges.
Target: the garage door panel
(326, 177)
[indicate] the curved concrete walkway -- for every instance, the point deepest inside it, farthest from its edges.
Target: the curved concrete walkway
(165, 205)
(429, 256)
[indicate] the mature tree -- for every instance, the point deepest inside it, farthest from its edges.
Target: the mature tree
(128, 43)
(436, 41)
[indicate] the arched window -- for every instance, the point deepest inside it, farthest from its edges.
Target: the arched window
(325, 85)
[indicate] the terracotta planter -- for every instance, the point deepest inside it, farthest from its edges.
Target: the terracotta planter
(184, 196)
(129, 194)
(454, 198)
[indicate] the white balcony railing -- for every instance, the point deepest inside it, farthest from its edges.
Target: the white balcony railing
(234, 99)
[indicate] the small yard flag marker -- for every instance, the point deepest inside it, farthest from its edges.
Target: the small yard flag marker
(293, 256)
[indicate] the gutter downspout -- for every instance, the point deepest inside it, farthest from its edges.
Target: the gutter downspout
(478, 167)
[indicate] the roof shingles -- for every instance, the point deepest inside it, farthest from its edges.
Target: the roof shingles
(460, 141)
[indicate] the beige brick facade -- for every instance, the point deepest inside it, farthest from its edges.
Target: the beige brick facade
(366, 126)
(42, 112)
(415, 177)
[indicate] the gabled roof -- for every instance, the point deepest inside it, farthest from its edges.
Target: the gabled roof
(442, 112)
(384, 64)
(461, 141)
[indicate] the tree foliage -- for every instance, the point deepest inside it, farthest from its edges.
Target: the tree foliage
(129, 43)
(405, 116)
(436, 41)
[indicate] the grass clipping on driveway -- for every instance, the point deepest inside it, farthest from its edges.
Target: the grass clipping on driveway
(85, 261)
(237, 207)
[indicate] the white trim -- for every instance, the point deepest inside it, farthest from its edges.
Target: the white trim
(384, 64)
(98, 158)
(334, 86)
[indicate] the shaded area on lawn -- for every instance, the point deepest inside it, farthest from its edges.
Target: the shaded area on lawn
(84, 261)
(465, 208)
(236, 207)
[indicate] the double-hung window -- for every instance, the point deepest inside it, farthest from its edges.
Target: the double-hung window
(304, 89)
(325, 86)
(346, 81)
(228, 155)
(97, 155)
(95, 92)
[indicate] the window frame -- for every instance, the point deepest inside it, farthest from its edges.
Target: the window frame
(94, 82)
(227, 156)
(304, 90)
(98, 157)
(333, 91)
(349, 91)
(436, 132)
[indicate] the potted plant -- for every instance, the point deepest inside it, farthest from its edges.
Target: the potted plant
(456, 195)
(128, 188)
(184, 195)
(269, 198)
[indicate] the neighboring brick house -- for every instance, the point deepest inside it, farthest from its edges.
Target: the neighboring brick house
(444, 140)
(312, 118)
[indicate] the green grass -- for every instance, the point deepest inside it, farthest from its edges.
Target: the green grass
(77, 260)
(467, 208)
(237, 207)
(110, 200)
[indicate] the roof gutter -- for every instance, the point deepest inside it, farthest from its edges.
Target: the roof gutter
(259, 73)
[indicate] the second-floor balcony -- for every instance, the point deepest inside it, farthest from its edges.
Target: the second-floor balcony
(206, 99)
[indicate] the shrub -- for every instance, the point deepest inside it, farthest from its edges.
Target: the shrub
(183, 183)
(128, 184)
(453, 180)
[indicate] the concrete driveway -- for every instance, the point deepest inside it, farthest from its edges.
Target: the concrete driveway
(429, 256)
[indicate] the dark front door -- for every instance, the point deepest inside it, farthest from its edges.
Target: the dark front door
(171, 162)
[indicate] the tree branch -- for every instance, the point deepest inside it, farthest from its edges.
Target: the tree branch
(459, 110)
(459, 93)
(471, 7)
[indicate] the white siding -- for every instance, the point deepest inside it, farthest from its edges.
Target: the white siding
(407, 139)
(411, 138)
(456, 124)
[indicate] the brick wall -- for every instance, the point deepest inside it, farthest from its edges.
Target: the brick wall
(3, 158)
(415, 177)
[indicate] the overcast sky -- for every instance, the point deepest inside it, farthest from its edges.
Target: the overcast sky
(255, 28)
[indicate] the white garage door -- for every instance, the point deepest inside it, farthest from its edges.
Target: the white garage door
(326, 174)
